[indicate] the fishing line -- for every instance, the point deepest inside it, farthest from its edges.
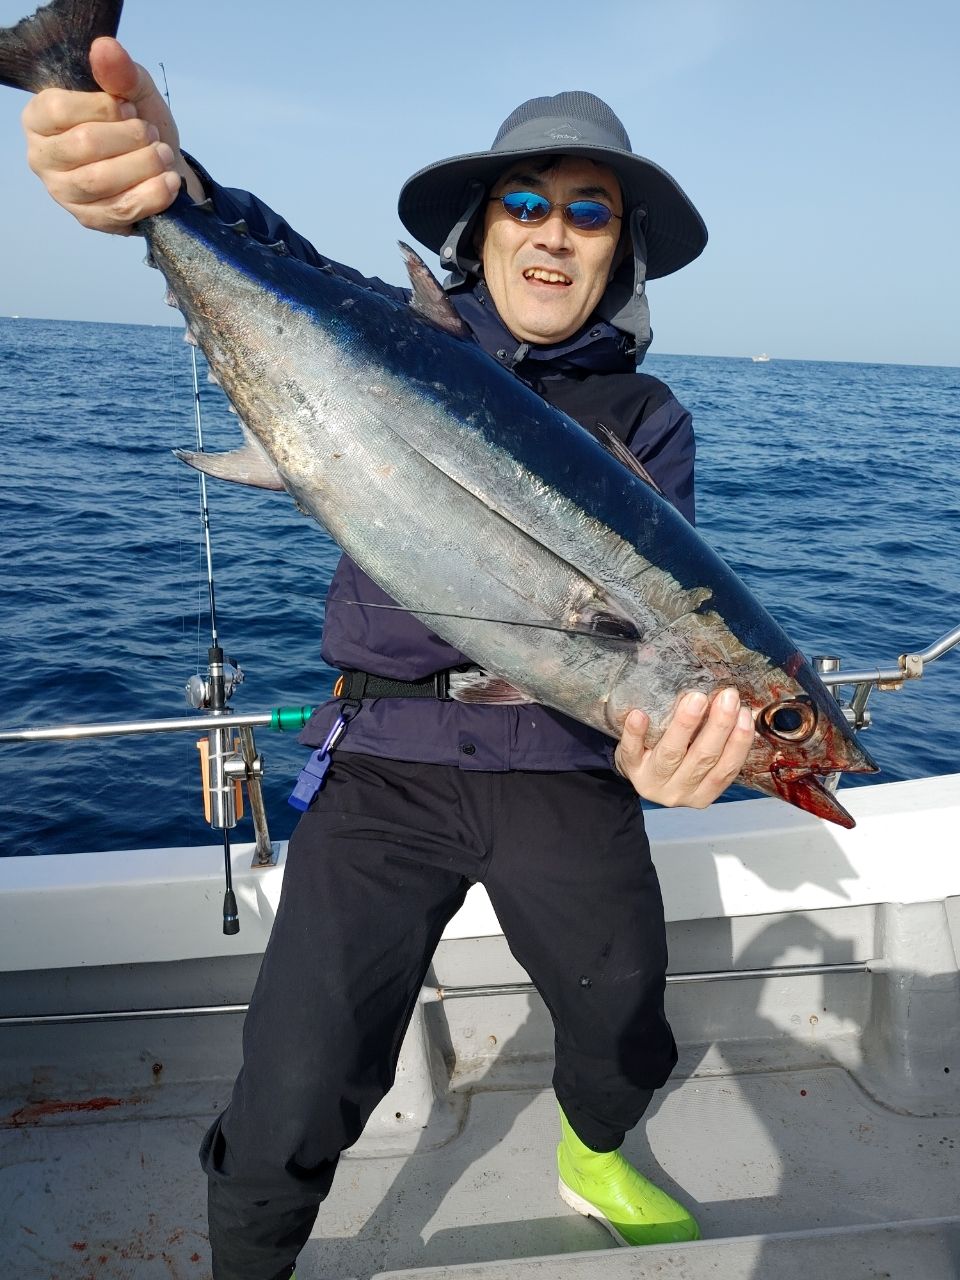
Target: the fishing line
(650, 637)
(207, 551)
(204, 508)
(175, 344)
(503, 622)
(181, 574)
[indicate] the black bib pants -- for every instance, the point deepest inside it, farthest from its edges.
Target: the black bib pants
(375, 870)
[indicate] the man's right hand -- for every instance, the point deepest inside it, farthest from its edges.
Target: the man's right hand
(109, 158)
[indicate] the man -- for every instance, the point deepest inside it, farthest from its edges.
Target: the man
(549, 239)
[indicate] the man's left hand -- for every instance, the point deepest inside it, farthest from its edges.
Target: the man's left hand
(698, 756)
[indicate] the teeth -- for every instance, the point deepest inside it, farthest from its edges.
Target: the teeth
(540, 273)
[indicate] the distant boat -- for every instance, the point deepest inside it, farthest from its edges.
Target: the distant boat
(763, 358)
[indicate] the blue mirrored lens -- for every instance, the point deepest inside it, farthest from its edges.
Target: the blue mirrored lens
(587, 214)
(526, 206)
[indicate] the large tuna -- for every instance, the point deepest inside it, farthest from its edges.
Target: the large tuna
(515, 534)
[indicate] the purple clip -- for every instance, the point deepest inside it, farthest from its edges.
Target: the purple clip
(314, 773)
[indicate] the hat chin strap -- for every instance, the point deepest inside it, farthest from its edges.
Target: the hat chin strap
(457, 254)
(624, 303)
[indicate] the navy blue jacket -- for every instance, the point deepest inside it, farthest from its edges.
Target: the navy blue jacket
(591, 377)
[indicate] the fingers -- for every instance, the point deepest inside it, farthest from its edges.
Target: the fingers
(99, 160)
(699, 753)
(107, 174)
(110, 158)
(89, 142)
(681, 729)
(106, 178)
(629, 754)
(732, 759)
(119, 213)
(53, 111)
(719, 751)
(703, 752)
(129, 92)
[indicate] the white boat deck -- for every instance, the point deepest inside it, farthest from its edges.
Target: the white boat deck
(756, 1155)
(813, 1123)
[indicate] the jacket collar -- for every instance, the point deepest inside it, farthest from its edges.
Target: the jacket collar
(596, 348)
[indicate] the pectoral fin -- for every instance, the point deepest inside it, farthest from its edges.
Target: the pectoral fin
(482, 687)
(250, 464)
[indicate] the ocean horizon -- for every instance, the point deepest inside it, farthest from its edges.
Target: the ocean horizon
(867, 364)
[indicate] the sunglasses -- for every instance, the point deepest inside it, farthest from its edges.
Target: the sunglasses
(527, 206)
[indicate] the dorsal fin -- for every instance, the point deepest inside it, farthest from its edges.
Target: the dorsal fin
(613, 444)
(429, 301)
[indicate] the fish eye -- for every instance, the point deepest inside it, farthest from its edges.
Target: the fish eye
(792, 720)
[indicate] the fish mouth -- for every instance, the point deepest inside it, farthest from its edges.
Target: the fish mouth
(795, 725)
(806, 791)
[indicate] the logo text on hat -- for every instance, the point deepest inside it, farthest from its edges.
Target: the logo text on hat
(564, 133)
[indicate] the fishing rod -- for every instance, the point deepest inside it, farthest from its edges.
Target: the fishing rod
(226, 762)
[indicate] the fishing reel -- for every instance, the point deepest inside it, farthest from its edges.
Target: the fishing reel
(228, 762)
(199, 690)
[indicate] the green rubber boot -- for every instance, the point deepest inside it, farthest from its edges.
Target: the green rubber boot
(602, 1185)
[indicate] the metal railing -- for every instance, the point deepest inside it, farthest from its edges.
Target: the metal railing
(433, 994)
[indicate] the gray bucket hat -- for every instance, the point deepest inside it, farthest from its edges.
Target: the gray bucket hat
(439, 204)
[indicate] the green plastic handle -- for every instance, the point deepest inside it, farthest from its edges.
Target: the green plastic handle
(289, 719)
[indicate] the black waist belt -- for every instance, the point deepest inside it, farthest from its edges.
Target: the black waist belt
(356, 685)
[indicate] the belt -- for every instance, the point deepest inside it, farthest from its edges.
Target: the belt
(356, 685)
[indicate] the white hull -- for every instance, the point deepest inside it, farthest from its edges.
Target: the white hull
(809, 1112)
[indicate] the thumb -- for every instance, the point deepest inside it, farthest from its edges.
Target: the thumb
(117, 74)
(632, 742)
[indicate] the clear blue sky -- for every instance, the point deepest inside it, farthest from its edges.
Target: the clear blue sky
(820, 141)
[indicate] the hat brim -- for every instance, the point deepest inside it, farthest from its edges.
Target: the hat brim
(433, 200)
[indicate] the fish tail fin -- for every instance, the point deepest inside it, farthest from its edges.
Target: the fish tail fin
(51, 49)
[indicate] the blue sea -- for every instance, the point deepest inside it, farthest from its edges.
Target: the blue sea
(832, 489)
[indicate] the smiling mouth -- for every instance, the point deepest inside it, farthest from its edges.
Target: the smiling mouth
(546, 276)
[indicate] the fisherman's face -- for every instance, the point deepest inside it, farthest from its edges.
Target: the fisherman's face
(546, 278)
